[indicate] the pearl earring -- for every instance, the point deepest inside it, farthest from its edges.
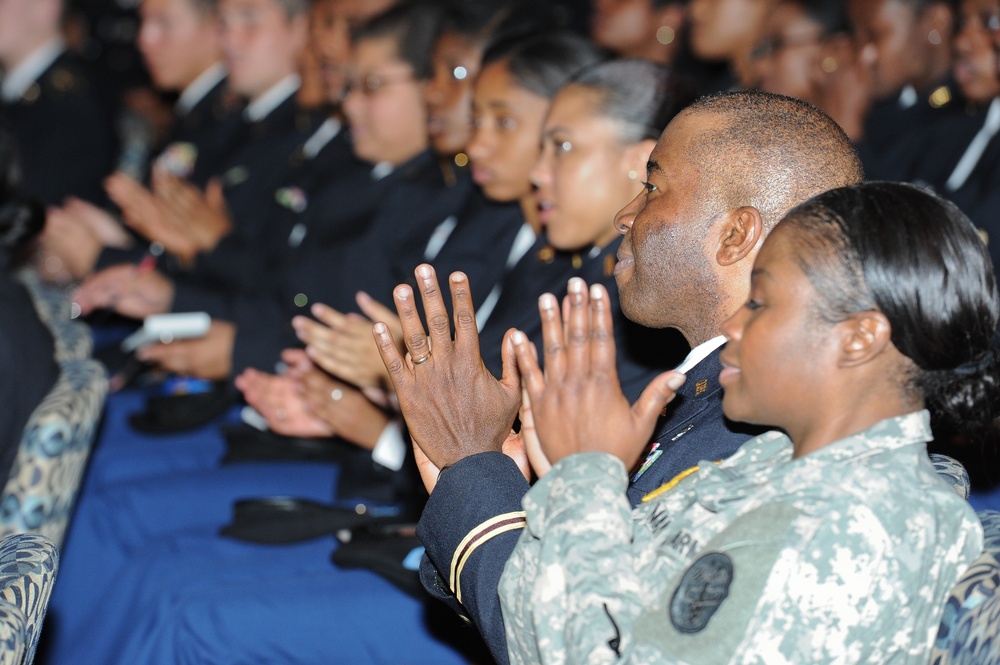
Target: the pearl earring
(665, 35)
(934, 37)
(632, 175)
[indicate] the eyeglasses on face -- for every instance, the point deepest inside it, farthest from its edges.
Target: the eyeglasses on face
(768, 48)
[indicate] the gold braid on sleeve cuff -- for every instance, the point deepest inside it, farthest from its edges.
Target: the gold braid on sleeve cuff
(491, 528)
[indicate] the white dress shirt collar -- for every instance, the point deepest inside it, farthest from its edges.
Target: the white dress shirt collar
(19, 79)
(261, 107)
(197, 89)
(699, 353)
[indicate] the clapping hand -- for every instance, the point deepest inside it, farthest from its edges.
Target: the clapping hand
(577, 405)
(453, 406)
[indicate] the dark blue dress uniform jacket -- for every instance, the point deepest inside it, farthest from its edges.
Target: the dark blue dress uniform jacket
(64, 136)
(358, 233)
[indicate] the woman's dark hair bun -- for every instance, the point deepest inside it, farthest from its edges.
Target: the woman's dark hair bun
(966, 398)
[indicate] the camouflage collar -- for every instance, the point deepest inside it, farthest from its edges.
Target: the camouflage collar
(766, 460)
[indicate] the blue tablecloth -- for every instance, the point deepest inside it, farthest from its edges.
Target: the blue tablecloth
(145, 577)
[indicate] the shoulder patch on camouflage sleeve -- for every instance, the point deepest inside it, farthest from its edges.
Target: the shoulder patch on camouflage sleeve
(701, 591)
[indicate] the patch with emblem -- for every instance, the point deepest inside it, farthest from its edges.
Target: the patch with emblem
(701, 387)
(701, 591)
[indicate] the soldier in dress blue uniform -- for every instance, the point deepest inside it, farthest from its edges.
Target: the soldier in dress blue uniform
(709, 177)
(64, 136)
(180, 45)
(906, 46)
(973, 181)
(263, 144)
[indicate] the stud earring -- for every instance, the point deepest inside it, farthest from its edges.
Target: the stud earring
(829, 64)
(632, 175)
(665, 35)
(934, 37)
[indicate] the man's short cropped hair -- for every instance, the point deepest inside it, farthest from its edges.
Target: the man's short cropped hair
(771, 152)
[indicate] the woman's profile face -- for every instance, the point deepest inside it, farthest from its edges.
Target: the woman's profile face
(508, 123)
(582, 175)
(788, 56)
(777, 345)
(449, 93)
(975, 65)
(384, 104)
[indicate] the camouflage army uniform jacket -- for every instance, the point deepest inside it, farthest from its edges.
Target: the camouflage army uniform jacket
(844, 555)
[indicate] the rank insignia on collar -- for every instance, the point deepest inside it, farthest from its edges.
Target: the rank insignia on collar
(940, 97)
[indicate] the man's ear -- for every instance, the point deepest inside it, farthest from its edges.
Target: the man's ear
(865, 336)
(741, 232)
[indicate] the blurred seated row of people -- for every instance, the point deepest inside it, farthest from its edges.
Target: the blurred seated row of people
(354, 227)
